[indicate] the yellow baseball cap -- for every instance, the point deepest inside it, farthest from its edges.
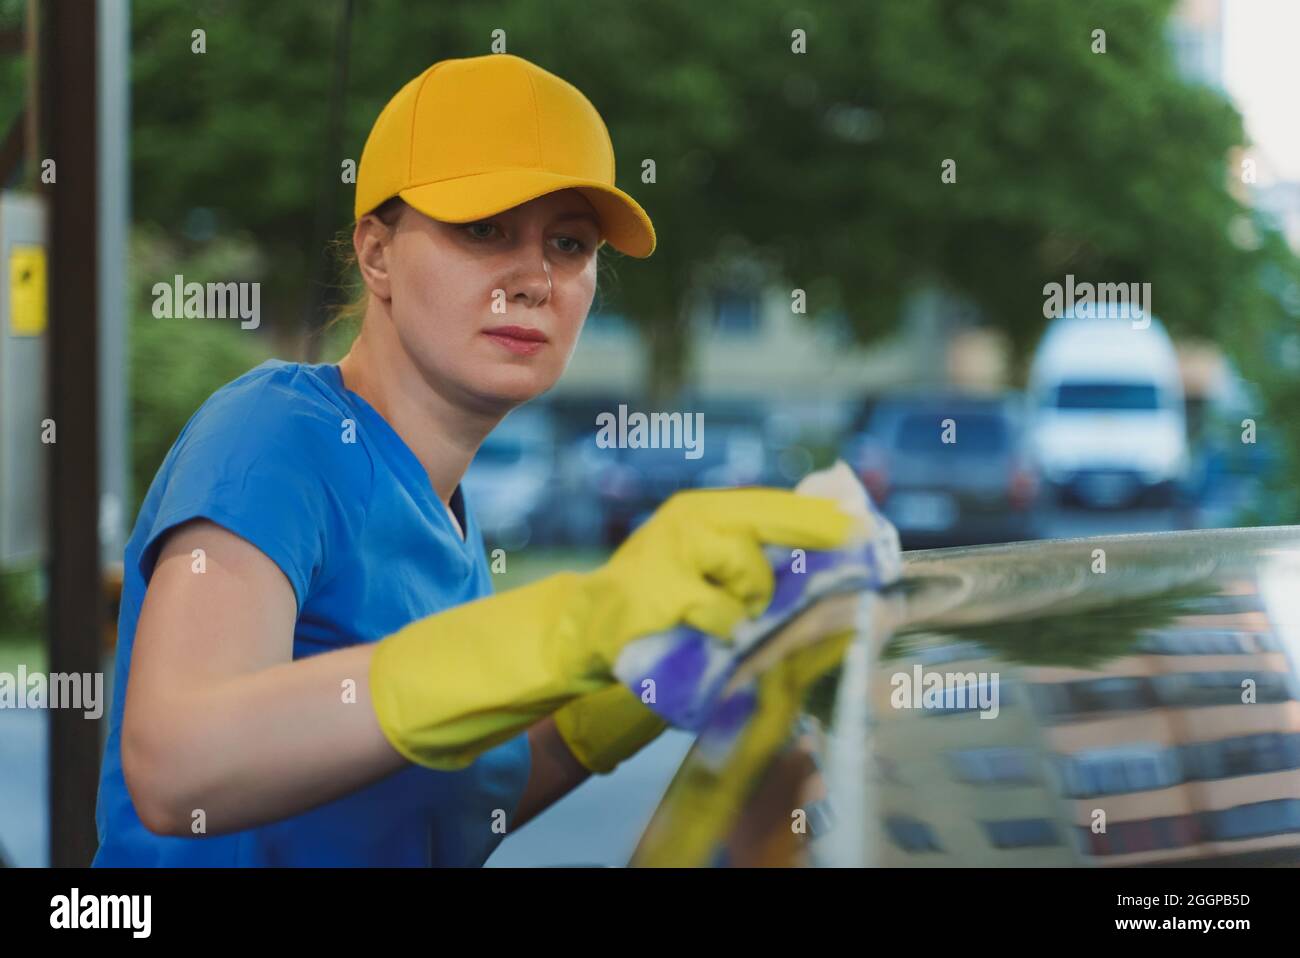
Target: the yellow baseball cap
(469, 138)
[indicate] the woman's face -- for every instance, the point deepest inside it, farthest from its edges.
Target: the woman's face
(493, 309)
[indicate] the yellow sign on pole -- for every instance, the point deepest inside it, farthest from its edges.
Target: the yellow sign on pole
(27, 290)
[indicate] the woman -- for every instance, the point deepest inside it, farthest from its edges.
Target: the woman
(312, 668)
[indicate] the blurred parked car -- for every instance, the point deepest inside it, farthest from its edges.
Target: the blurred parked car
(1160, 691)
(978, 487)
(1232, 470)
(1109, 427)
(508, 481)
(623, 486)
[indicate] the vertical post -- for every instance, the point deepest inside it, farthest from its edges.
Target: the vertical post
(323, 293)
(32, 112)
(69, 118)
(114, 222)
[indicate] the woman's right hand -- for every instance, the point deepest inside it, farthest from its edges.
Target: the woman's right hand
(699, 560)
(450, 686)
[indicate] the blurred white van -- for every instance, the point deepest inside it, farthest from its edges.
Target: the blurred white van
(1107, 423)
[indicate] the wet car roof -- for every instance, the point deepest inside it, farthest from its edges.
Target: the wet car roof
(1122, 700)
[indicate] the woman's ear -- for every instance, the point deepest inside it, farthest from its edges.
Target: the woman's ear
(370, 239)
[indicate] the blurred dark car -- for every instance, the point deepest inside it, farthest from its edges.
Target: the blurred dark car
(1117, 701)
(977, 488)
(508, 482)
(624, 486)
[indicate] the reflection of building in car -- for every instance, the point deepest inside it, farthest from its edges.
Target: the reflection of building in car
(1149, 715)
(1163, 742)
(965, 791)
(1157, 746)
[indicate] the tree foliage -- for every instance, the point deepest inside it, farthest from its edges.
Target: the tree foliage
(824, 166)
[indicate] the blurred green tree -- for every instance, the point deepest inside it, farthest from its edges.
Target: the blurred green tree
(13, 82)
(827, 163)
(825, 166)
(176, 364)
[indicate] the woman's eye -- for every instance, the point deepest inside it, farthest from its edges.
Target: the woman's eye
(577, 247)
(472, 227)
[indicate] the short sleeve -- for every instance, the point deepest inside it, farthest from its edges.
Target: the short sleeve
(273, 465)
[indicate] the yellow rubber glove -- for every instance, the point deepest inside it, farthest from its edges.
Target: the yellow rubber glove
(703, 804)
(604, 728)
(450, 686)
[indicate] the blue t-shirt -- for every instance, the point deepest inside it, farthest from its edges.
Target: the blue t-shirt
(359, 531)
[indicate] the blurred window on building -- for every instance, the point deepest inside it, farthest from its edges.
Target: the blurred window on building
(1195, 36)
(1143, 835)
(735, 311)
(1203, 689)
(1117, 694)
(959, 699)
(1242, 755)
(1022, 833)
(1252, 754)
(993, 766)
(911, 834)
(1204, 642)
(1268, 642)
(1257, 819)
(1114, 771)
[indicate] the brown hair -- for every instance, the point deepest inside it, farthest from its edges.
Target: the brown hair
(353, 310)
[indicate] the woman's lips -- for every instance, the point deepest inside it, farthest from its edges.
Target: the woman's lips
(520, 340)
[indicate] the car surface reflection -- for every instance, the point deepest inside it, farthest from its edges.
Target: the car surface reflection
(1115, 701)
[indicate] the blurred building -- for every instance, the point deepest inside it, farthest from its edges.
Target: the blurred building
(744, 346)
(750, 351)
(1279, 200)
(1196, 37)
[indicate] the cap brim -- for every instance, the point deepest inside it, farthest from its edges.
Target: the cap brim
(624, 224)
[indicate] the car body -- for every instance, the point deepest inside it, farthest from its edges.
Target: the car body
(949, 469)
(1108, 423)
(1129, 700)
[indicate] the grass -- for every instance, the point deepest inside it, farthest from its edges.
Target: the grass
(28, 650)
(532, 564)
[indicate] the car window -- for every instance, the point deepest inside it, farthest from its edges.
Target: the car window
(1099, 395)
(978, 434)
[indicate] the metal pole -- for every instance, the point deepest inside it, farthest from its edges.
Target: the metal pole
(323, 292)
(115, 216)
(32, 113)
(69, 116)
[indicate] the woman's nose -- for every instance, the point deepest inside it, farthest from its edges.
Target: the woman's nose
(531, 280)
